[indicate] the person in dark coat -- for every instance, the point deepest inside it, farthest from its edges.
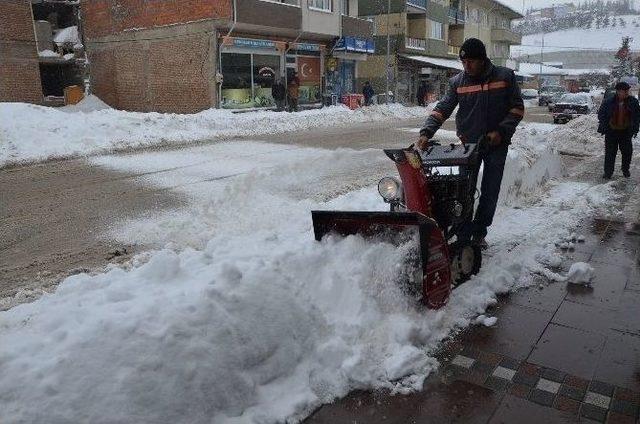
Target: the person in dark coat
(618, 121)
(490, 108)
(368, 93)
(278, 93)
(421, 95)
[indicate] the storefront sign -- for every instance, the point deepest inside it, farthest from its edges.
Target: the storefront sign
(254, 43)
(307, 47)
(354, 44)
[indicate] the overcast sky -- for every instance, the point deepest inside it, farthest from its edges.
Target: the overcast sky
(517, 4)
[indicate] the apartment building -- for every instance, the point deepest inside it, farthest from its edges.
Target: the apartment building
(322, 40)
(41, 53)
(425, 38)
(488, 20)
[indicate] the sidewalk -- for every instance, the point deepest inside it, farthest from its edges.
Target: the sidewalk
(560, 354)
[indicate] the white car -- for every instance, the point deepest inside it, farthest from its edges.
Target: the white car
(570, 106)
(529, 93)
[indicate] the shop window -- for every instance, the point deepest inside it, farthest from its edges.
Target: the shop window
(236, 85)
(266, 68)
(324, 5)
(247, 80)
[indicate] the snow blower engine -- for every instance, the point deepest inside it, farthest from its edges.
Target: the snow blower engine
(431, 204)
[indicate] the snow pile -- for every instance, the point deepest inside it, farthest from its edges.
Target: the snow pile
(90, 103)
(32, 133)
(579, 137)
(580, 273)
(485, 320)
(67, 35)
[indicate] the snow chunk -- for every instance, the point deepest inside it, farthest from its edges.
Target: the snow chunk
(580, 273)
(485, 320)
(48, 53)
(67, 35)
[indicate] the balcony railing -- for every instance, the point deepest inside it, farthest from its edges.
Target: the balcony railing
(506, 35)
(456, 17)
(415, 43)
(454, 50)
(417, 3)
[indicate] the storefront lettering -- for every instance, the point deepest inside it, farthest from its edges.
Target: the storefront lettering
(253, 43)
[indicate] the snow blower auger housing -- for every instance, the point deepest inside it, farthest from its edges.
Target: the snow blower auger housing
(434, 198)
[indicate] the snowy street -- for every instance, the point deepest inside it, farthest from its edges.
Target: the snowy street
(223, 308)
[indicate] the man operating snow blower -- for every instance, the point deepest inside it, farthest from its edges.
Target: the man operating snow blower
(490, 108)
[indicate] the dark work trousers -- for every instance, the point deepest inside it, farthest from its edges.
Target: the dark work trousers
(614, 140)
(493, 160)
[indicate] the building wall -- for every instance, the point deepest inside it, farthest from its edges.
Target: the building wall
(320, 22)
(106, 17)
(169, 69)
(264, 13)
(19, 68)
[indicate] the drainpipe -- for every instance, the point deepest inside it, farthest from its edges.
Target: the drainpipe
(233, 26)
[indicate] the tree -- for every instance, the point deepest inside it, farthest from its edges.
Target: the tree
(624, 67)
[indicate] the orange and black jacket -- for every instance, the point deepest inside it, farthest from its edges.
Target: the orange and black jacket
(491, 102)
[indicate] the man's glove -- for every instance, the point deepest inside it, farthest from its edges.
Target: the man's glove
(494, 138)
(423, 142)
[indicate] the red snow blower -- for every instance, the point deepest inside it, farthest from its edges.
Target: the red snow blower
(433, 201)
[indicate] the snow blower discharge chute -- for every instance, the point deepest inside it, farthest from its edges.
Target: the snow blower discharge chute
(431, 203)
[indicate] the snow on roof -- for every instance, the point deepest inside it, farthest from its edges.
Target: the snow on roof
(537, 69)
(67, 35)
(436, 61)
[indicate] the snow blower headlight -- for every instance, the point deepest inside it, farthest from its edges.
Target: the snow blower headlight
(389, 188)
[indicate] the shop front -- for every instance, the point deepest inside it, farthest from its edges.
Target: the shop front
(249, 67)
(342, 66)
(433, 72)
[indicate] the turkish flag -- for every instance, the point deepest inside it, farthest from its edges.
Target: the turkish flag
(309, 69)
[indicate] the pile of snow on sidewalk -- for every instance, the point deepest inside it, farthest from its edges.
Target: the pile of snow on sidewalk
(34, 133)
(262, 324)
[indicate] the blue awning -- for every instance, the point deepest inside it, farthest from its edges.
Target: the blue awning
(355, 44)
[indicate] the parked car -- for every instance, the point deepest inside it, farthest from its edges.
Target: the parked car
(570, 106)
(553, 99)
(529, 93)
(549, 91)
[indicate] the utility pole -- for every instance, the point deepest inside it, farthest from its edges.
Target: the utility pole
(541, 59)
(387, 61)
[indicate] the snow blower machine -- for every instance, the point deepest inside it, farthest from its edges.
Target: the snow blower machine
(432, 202)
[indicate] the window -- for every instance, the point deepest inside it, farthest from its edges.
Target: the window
(345, 8)
(248, 79)
(436, 30)
(324, 5)
(289, 2)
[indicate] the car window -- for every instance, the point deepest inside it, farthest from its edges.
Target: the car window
(575, 98)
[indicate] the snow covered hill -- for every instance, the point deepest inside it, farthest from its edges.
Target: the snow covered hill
(609, 38)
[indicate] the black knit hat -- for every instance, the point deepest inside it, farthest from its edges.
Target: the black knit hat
(622, 86)
(473, 48)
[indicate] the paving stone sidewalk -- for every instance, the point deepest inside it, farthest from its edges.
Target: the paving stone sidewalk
(561, 354)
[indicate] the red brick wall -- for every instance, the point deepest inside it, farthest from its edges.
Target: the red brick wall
(19, 68)
(164, 75)
(104, 17)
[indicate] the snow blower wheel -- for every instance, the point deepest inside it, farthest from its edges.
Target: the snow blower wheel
(466, 260)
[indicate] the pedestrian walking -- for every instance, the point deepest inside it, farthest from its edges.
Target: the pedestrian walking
(293, 92)
(490, 108)
(368, 93)
(618, 121)
(421, 95)
(278, 93)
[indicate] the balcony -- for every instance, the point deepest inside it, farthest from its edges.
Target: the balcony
(356, 27)
(456, 17)
(415, 44)
(506, 36)
(420, 4)
(453, 50)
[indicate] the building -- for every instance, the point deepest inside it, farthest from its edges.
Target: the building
(425, 39)
(322, 40)
(154, 58)
(41, 53)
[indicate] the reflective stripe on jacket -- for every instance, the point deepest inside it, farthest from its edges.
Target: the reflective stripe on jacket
(491, 102)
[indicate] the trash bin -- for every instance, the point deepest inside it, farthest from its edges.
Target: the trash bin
(353, 101)
(73, 94)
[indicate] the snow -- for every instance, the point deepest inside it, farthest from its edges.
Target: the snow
(239, 316)
(67, 35)
(485, 320)
(609, 38)
(68, 56)
(580, 273)
(579, 137)
(89, 103)
(48, 53)
(52, 133)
